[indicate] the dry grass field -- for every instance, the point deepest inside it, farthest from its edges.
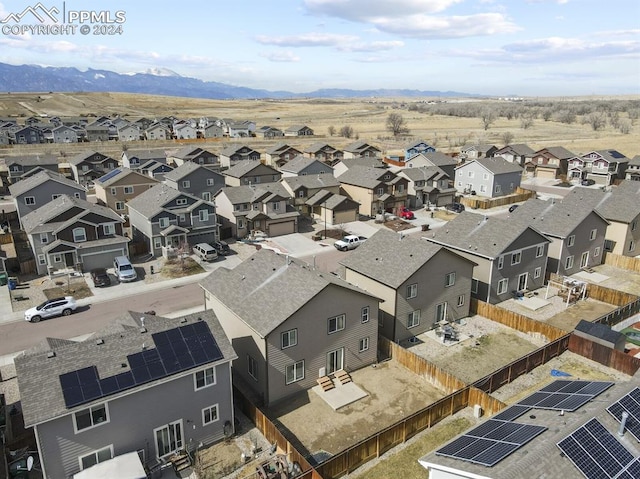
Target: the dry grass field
(366, 117)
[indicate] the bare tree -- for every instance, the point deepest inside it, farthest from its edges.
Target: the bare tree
(507, 138)
(597, 120)
(397, 125)
(526, 120)
(331, 130)
(624, 126)
(346, 131)
(488, 117)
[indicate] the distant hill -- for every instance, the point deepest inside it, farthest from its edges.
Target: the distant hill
(158, 81)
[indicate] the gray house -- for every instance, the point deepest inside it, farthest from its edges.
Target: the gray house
(64, 134)
(151, 385)
(290, 324)
(518, 153)
(233, 154)
(20, 167)
(69, 233)
(434, 158)
(489, 177)
(195, 155)
(428, 185)
(421, 283)
(510, 257)
(165, 219)
(302, 188)
(251, 172)
(134, 159)
(303, 165)
(197, 180)
(90, 165)
(35, 191)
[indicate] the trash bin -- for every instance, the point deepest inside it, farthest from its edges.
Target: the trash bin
(13, 283)
(3, 279)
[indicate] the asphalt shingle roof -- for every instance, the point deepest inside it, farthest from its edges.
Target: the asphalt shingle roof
(365, 176)
(622, 204)
(152, 201)
(298, 163)
(31, 182)
(498, 165)
(183, 170)
(424, 173)
(311, 181)
(249, 194)
(32, 160)
(245, 167)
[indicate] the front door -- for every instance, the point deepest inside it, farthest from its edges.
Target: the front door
(335, 361)
(68, 260)
(584, 259)
(522, 281)
(441, 312)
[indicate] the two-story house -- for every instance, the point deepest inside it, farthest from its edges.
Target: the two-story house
(341, 166)
(250, 172)
(28, 135)
(602, 166)
(550, 162)
(433, 158)
(633, 169)
(195, 155)
(71, 233)
(90, 165)
(428, 185)
(473, 152)
(129, 132)
(280, 154)
(304, 165)
(332, 209)
(298, 130)
(197, 180)
(510, 257)
(302, 188)
(157, 131)
(144, 384)
(98, 131)
(518, 153)
(284, 345)
(421, 284)
(323, 152)
(119, 186)
(233, 154)
(20, 167)
(35, 191)
(265, 207)
(376, 189)
(165, 218)
(269, 132)
(416, 147)
(621, 208)
(361, 149)
(64, 134)
(134, 159)
(489, 177)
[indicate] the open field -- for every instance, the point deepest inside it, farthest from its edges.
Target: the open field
(366, 117)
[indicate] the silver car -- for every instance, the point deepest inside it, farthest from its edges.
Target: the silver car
(50, 308)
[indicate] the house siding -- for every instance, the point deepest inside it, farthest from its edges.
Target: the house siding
(43, 194)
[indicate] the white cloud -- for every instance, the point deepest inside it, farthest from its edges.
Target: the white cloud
(307, 40)
(423, 26)
(283, 57)
(368, 10)
(372, 47)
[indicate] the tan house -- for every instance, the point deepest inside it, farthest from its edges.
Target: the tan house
(376, 189)
(361, 149)
(621, 208)
(291, 324)
(280, 154)
(550, 162)
(421, 284)
(332, 209)
(323, 152)
(302, 188)
(119, 186)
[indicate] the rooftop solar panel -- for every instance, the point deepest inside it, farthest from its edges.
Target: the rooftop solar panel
(511, 413)
(630, 404)
(565, 395)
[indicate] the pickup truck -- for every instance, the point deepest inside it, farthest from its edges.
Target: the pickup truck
(349, 242)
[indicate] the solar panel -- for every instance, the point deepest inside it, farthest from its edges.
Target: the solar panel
(630, 403)
(109, 175)
(511, 413)
(565, 395)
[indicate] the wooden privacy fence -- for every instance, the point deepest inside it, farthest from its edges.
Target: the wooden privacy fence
(485, 203)
(604, 355)
(620, 314)
(608, 295)
(622, 262)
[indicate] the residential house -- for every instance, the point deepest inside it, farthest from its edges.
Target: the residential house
(302, 188)
(134, 159)
(550, 162)
(421, 284)
(280, 154)
(119, 186)
(144, 384)
(165, 219)
(239, 129)
(332, 209)
(97, 131)
(20, 167)
(325, 325)
(268, 132)
(155, 169)
(194, 154)
(298, 130)
(518, 153)
(434, 158)
(71, 233)
(577, 231)
(35, 191)
(196, 180)
(129, 132)
(427, 186)
(304, 165)
(64, 134)
(90, 165)
(233, 154)
(510, 257)
(250, 172)
(344, 165)
(28, 135)
(376, 189)
(184, 131)
(214, 130)
(602, 166)
(417, 147)
(489, 177)
(264, 207)
(323, 152)
(473, 152)
(633, 169)
(621, 208)
(157, 131)
(361, 149)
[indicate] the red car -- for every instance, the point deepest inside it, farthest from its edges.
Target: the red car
(406, 213)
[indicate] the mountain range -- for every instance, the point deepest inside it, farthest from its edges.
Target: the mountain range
(161, 81)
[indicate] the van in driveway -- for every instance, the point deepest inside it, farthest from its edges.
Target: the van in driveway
(124, 270)
(205, 252)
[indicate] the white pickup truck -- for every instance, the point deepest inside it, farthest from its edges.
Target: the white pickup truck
(349, 242)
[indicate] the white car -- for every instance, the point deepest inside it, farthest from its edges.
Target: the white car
(50, 308)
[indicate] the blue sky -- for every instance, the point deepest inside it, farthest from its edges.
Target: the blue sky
(492, 47)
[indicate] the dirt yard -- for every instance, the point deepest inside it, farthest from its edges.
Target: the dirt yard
(587, 309)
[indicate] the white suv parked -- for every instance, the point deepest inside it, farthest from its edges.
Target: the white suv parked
(50, 308)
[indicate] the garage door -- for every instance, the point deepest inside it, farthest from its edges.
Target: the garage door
(208, 237)
(548, 174)
(279, 229)
(100, 260)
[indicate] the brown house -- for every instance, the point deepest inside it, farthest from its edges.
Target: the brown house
(117, 187)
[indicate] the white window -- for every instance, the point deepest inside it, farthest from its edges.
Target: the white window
(109, 229)
(90, 417)
(42, 259)
(568, 263)
(516, 257)
(470, 174)
(30, 200)
(380, 191)
(539, 250)
(76, 195)
(157, 242)
(483, 188)
(570, 240)
(114, 191)
(252, 367)
(413, 319)
(449, 280)
(537, 272)
(128, 190)
(289, 338)
(485, 176)
(168, 438)
(364, 314)
(204, 378)
(186, 184)
(460, 183)
(596, 252)
(593, 234)
(500, 262)
(119, 206)
(209, 414)
(364, 345)
(203, 215)
(276, 206)
(634, 225)
(96, 457)
(85, 167)
(206, 196)
(498, 189)
(79, 235)
(503, 285)
(295, 372)
(164, 222)
(181, 201)
(412, 291)
(336, 323)
(400, 188)
(44, 238)
(461, 300)
(210, 181)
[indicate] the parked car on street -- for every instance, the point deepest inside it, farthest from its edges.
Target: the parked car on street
(455, 207)
(349, 242)
(406, 214)
(50, 308)
(100, 277)
(221, 247)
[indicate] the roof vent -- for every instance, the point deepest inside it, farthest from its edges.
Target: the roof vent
(183, 320)
(123, 365)
(99, 342)
(51, 354)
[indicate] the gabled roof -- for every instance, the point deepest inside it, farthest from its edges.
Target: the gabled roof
(186, 169)
(311, 181)
(483, 147)
(245, 167)
(152, 201)
(143, 155)
(319, 145)
(42, 398)
(358, 146)
(485, 236)
(496, 165)
(559, 152)
(417, 143)
(330, 200)
(253, 193)
(120, 173)
(597, 330)
(365, 176)
(31, 182)
(299, 163)
(366, 162)
(519, 149)
(233, 149)
(635, 161)
(622, 203)
(437, 158)
(297, 128)
(423, 173)
(253, 290)
(612, 156)
(280, 148)
(31, 160)
(84, 156)
(189, 152)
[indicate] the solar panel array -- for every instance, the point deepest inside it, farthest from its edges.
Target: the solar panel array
(511, 413)
(491, 442)
(109, 175)
(176, 350)
(630, 404)
(598, 454)
(564, 395)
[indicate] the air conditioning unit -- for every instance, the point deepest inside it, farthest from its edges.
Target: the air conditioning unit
(477, 411)
(322, 372)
